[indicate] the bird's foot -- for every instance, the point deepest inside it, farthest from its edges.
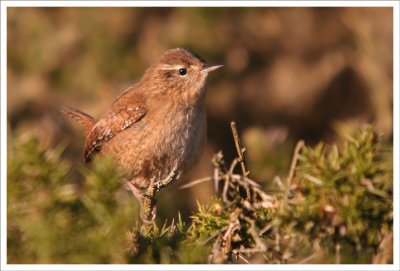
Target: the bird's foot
(156, 186)
(148, 204)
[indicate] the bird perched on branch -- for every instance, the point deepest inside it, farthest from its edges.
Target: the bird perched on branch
(156, 129)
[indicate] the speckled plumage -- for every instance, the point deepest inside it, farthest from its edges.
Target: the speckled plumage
(157, 124)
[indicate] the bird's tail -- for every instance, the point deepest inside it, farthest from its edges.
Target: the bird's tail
(84, 119)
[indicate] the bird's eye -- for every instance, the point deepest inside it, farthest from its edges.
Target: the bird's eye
(182, 71)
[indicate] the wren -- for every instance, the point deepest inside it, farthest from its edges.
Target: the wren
(156, 129)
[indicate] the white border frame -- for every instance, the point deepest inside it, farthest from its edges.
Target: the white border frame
(3, 100)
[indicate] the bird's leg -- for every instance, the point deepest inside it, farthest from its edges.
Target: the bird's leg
(148, 209)
(148, 202)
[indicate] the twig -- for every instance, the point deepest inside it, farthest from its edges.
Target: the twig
(214, 251)
(195, 182)
(243, 258)
(295, 157)
(216, 180)
(234, 225)
(278, 182)
(214, 235)
(251, 182)
(265, 229)
(233, 165)
(219, 166)
(225, 189)
(252, 230)
(239, 149)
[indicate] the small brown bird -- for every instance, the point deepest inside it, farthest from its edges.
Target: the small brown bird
(156, 129)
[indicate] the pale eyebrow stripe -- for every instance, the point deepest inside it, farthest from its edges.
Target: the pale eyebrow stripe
(170, 67)
(166, 67)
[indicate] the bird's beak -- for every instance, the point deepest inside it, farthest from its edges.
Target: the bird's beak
(208, 69)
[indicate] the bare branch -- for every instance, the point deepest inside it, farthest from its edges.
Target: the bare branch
(195, 182)
(239, 149)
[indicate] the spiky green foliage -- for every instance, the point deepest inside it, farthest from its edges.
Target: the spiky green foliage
(166, 245)
(342, 194)
(339, 198)
(336, 207)
(233, 225)
(54, 220)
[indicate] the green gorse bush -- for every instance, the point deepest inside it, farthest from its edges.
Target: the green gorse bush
(336, 205)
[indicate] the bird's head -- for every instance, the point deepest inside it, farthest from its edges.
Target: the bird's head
(180, 73)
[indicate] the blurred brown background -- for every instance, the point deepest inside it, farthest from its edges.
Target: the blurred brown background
(289, 73)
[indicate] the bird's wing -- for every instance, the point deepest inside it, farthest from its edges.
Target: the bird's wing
(123, 114)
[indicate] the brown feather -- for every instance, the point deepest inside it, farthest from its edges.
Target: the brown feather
(84, 119)
(122, 115)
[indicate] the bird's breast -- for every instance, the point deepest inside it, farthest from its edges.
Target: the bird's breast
(182, 139)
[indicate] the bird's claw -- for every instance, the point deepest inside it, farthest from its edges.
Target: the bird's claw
(163, 183)
(156, 186)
